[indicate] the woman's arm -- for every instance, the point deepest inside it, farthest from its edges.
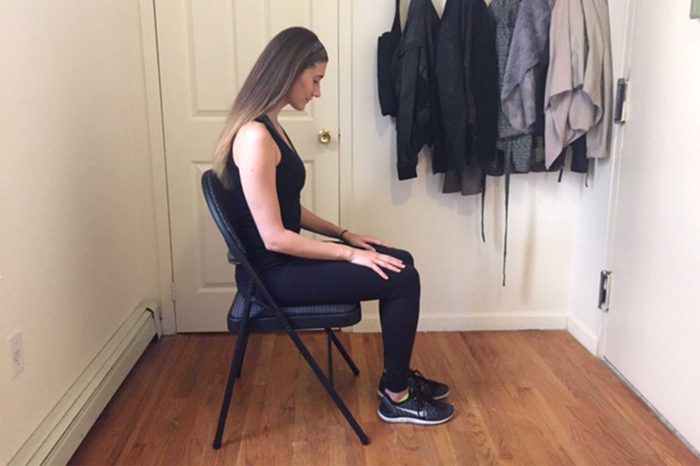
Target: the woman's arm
(316, 224)
(257, 156)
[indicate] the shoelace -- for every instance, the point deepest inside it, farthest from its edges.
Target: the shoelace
(420, 378)
(425, 401)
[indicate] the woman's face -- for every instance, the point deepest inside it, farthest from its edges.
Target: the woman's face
(306, 86)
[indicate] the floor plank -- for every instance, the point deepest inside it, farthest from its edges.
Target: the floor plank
(532, 397)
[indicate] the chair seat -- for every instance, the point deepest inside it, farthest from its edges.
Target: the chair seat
(301, 317)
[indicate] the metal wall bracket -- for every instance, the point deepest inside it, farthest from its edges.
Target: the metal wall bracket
(620, 115)
(604, 291)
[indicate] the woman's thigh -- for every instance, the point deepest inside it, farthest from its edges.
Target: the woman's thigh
(306, 281)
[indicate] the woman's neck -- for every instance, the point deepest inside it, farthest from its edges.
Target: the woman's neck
(274, 113)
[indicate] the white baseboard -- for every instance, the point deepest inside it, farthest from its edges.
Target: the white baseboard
(60, 434)
(470, 322)
(583, 334)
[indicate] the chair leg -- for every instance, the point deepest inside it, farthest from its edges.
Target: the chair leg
(327, 385)
(245, 345)
(330, 357)
(236, 362)
(342, 350)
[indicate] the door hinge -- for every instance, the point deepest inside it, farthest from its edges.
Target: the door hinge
(172, 291)
(604, 291)
(620, 115)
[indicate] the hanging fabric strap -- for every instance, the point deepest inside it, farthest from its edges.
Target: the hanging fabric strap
(505, 233)
(483, 202)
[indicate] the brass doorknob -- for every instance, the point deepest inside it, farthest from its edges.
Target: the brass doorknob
(324, 136)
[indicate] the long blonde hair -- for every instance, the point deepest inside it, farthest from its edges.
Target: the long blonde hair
(288, 54)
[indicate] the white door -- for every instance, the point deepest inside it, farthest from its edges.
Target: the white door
(206, 48)
(653, 327)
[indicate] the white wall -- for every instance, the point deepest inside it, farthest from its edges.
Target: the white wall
(461, 276)
(652, 327)
(77, 235)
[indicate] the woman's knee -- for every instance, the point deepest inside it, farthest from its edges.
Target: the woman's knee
(408, 280)
(406, 257)
(401, 254)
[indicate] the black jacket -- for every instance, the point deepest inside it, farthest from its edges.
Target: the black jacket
(415, 86)
(466, 71)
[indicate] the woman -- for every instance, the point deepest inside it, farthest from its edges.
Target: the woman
(256, 160)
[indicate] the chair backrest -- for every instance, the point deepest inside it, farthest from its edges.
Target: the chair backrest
(223, 211)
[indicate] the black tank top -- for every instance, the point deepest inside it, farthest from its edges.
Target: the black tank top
(290, 177)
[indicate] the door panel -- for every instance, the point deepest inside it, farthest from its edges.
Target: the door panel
(654, 321)
(206, 49)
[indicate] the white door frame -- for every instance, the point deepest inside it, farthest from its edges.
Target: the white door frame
(158, 165)
(345, 135)
(158, 161)
(613, 193)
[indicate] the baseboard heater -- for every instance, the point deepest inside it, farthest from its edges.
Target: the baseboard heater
(60, 434)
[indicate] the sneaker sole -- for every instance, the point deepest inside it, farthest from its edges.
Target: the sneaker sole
(412, 420)
(381, 395)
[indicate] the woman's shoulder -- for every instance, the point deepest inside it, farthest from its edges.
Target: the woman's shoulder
(254, 138)
(254, 130)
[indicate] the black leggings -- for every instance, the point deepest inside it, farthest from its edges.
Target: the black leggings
(304, 281)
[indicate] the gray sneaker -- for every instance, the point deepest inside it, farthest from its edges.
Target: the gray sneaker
(417, 409)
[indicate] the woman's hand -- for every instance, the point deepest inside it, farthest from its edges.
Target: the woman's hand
(376, 261)
(362, 241)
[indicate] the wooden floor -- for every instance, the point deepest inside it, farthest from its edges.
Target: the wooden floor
(535, 398)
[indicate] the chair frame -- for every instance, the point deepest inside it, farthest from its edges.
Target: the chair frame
(258, 294)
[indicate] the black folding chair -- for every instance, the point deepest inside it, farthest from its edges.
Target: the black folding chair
(254, 310)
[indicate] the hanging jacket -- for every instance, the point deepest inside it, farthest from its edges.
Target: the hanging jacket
(522, 88)
(522, 37)
(467, 78)
(515, 146)
(415, 86)
(578, 92)
(387, 64)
